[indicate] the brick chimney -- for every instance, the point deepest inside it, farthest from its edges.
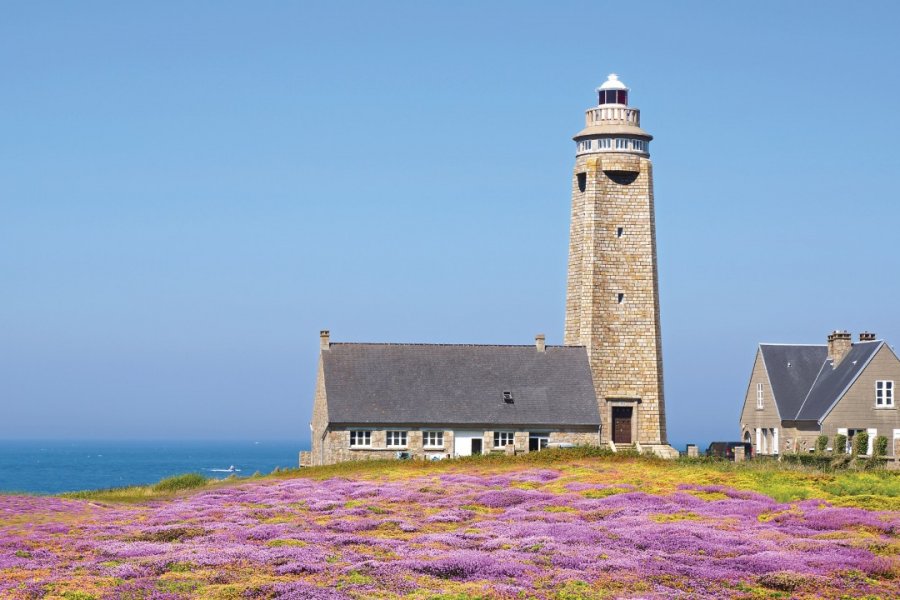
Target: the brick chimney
(839, 343)
(867, 336)
(540, 342)
(325, 339)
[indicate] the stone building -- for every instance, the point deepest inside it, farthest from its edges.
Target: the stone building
(604, 386)
(798, 392)
(612, 300)
(448, 400)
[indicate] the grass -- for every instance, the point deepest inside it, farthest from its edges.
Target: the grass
(168, 487)
(785, 482)
(188, 481)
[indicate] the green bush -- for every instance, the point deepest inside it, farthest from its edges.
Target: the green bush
(872, 463)
(860, 443)
(880, 446)
(821, 444)
(818, 461)
(840, 444)
(188, 481)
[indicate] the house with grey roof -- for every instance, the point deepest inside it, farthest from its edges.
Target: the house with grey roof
(798, 392)
(434, 401)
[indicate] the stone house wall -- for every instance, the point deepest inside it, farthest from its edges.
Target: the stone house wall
(767, 418)
(336, 446)
(319, 421)
(857, 410)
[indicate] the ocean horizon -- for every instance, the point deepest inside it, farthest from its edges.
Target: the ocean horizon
(57, 466)
(53, 467)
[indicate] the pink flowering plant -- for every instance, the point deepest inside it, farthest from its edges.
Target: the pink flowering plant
(585, 528)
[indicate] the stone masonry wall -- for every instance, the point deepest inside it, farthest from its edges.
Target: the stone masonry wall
(319, 417)
(337, 448)
(612, 251)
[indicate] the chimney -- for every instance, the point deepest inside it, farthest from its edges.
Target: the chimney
(867, 336)
(324, 337)
(838, 346)
(539, 342)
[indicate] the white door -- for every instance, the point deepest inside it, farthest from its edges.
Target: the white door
(462, 442)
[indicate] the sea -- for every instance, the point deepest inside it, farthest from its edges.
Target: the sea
(52, 467)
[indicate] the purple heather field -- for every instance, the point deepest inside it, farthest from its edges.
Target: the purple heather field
(561, 533)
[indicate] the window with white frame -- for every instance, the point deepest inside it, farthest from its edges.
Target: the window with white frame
(638, 145)
(759, 396)
(360, 439)
(604, 143)
(621, 144)
(396, 439)
(884, 394)
(503, 438)
(433, 439)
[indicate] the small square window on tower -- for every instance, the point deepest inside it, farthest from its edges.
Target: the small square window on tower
(620, 298)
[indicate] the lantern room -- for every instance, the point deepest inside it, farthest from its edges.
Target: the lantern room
(613, 91)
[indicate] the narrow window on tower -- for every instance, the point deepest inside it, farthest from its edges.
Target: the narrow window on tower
(620, 231)
(582, 181)
(620, 298)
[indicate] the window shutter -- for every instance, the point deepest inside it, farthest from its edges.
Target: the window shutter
(775, 441)
(758, 440)
(872, 434)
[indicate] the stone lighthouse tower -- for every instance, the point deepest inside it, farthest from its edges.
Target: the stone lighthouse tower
(612, 300)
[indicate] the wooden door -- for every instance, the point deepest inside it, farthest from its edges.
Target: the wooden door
(621, 417)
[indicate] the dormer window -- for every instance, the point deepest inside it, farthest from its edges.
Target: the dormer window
(508, 397)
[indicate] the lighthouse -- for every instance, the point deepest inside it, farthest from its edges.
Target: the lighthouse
(612, 296)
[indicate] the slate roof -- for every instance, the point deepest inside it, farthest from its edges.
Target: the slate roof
(831, 383)
(791, 384)
(808, 388)
(422, 384)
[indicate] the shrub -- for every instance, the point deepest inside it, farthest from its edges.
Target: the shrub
(841, 461)
(784, 581)
(187, 481)
(861, 443)
(872, 463)
(880, 447)
(840, 444)
(818, 461)
(821, 444)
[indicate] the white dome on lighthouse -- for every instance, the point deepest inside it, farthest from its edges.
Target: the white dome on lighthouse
(612, 83)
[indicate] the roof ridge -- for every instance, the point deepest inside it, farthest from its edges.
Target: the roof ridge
(787, 344)
(459, 345)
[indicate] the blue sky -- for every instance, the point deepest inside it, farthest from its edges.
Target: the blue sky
(189, 193)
